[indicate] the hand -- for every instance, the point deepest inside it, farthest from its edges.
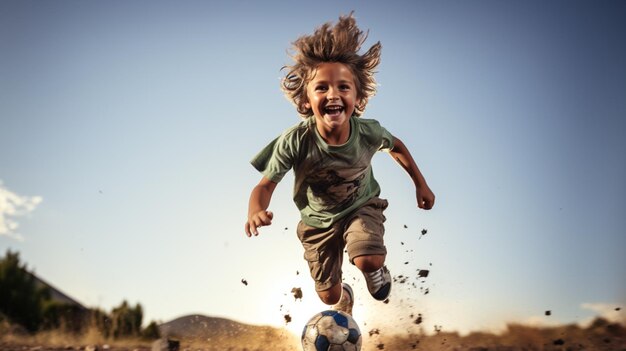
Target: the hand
(258, 220)
(425, 197)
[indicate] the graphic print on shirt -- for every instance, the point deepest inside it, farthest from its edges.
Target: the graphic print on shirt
(334, 190)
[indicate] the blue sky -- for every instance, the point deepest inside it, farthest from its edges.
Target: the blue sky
(127, 128)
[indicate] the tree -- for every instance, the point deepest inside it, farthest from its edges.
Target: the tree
(126, 320)
(20, 298)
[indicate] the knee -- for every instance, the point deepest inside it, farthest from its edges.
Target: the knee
(369, 263)
(329, 299)
(330, 296)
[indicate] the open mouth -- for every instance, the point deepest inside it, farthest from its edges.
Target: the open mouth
(333, 110)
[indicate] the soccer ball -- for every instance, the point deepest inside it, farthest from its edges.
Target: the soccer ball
(331, 331)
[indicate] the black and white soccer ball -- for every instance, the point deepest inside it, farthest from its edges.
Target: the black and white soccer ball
(331, 331)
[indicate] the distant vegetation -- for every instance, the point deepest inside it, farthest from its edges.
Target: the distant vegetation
(29, 305)
(20, 299)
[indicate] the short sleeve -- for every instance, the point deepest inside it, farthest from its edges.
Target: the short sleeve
(387, 140)
(376, 135)
(276, 159)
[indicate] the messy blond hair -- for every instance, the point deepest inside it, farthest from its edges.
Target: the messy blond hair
(339, 43)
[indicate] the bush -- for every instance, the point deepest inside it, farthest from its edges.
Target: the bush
(64, 316)
(151, 332)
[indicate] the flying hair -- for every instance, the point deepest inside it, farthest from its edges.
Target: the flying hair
(339, 43)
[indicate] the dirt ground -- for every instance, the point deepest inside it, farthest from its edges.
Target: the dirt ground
(601, 335)
(4, 346)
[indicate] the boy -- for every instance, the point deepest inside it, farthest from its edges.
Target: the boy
(330, 152)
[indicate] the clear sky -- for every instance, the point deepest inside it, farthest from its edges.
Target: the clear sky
(126, 130)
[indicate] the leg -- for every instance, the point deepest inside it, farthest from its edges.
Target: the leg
(369, 263)
(323, 251)
(366, 248)
(340, 296)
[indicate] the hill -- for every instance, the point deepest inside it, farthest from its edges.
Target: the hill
(206, 331)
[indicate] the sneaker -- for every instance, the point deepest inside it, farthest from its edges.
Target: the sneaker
(379, 283)
(346, 301)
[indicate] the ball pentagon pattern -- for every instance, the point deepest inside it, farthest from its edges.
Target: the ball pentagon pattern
(331, 331)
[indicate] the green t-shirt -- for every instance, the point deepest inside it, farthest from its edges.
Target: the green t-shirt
(330, 181)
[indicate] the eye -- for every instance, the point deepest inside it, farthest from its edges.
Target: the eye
(320, 88)
(344, 87)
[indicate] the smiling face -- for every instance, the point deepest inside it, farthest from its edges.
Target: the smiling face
(332, 95)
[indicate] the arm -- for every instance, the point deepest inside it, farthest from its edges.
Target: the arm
(258, 215)
(425, 197)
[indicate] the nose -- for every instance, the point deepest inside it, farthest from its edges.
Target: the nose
(332, 94)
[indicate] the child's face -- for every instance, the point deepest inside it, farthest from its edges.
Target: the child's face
(332, 95)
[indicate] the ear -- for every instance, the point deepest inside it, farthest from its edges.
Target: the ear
(360, 104)
(307, 105)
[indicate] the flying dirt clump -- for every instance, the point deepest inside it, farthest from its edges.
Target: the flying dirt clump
(419, 319)
(374, 332)
(400, 279)
(424, 231)
(297, 294)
